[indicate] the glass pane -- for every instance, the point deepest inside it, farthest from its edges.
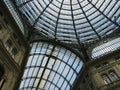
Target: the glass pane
(88, 19)
(106, 48)
(57, 70)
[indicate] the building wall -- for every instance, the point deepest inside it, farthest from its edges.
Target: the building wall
(91, 77)
(13, 50)
(106, 67)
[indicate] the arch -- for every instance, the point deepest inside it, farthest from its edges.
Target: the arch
(53, 63)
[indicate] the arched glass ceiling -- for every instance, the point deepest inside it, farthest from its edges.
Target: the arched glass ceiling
(50, 67)
(72, 21)
(106, 48)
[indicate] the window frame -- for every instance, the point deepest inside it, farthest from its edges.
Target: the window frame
(106, 79)
(113, 75)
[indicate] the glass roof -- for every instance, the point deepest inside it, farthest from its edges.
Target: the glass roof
(106, 48)
(50, 67)
(72, 21)
(14, 14)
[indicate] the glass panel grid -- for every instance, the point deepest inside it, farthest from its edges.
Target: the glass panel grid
(63, 17)
(106, 48)
(56, 70)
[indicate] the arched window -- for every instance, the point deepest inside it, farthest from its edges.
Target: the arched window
(113, 76)
(106, 79)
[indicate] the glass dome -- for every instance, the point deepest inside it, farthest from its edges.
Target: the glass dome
(72, 21)
(50, 67)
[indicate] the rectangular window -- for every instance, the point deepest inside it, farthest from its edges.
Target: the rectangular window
(13, 52)
(106, 79)
(113, 76)
(8, 44)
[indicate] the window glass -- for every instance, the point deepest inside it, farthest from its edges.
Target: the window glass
(89, 18)
(31, 70)
(44, 62)
(106, 48)
(39, 61)
(64, 85)
(35, 58)
(56, 78)
(27, 81)
(66, 70)
(61, 80)
(106, 79)
(39, 72)
(52, 87)
(113, 76)
(13, 52)
(47, 85)
(31, 82)
(51, 63)
(30, 60)
(8, 44)
(51, 77)
(42, 84)
(57, 69)
(36, 82)
(46, 74)
(22, 83)
(35, 71)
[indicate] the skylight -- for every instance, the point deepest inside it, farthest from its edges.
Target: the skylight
(50, 67)
(106, 48)
(72, 21)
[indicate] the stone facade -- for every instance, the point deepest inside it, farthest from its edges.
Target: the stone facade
(101, 74)
(13, 49)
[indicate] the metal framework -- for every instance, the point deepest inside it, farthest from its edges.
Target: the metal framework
(50, 67)
(105, 48)
(72, 21)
